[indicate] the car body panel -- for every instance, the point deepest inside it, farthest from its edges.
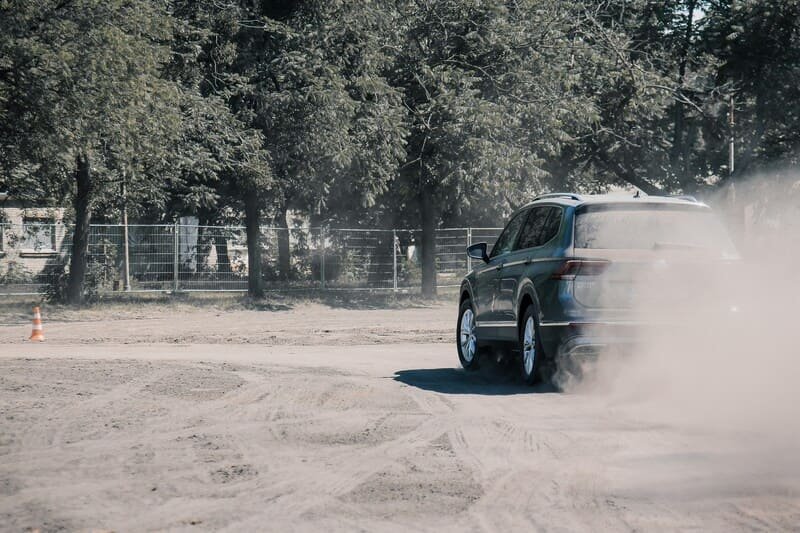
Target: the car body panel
(484, 280)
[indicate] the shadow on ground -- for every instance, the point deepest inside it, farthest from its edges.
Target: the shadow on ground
(492, 380)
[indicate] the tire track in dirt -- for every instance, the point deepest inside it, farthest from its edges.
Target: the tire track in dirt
(346, 471)
(76, 411)
(264, 444)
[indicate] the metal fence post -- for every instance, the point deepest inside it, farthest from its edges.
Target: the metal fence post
(322, 257)
(469, 243)
(126, 251)
(176, 258)
(125, 245)
(395, 244)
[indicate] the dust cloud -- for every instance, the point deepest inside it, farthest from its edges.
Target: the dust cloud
(721, 358)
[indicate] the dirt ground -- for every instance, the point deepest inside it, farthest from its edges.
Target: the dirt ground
(324, 415)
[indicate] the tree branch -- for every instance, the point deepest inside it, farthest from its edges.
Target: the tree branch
(625, 174)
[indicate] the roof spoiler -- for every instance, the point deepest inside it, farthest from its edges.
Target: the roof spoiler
(576, 197)
(687, 197)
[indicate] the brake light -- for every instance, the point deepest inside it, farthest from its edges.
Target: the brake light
(580, 267)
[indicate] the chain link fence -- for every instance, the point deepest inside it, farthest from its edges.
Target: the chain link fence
(185, 258)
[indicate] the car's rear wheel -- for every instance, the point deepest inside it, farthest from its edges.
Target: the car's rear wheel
(466, 340)
(530, 346)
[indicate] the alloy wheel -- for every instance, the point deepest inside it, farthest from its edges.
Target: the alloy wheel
(529, 346)
(467, 336)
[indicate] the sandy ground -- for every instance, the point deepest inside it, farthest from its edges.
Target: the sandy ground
(282, 322)
(320, 417)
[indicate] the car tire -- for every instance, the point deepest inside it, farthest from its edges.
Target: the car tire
(531, 360)
(466, 340)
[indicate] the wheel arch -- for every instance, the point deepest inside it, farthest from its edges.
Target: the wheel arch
(527, 296)
(465, 292)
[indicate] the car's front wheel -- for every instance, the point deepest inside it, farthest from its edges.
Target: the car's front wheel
(530, 346)
(466, 339)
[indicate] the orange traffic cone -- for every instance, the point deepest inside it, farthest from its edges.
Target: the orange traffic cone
(38, 333)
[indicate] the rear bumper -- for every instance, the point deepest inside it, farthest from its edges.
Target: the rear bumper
(588, 339)
(585, 347)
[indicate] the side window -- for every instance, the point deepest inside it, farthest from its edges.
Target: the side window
(552, 225)
(505, 242)
(542, 225)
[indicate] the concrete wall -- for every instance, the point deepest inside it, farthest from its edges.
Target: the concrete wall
(30, 246)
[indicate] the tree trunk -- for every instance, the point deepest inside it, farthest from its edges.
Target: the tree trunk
(680, 148)
(428, 212)
(80, 237)
(252, 217)
(284, 253)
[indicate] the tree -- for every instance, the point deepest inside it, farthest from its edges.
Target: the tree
(332, 124)
(668, 71)
(487, 102)
(616, 57)
(226, 164)
(302, 75)
(81, 84)
(757, 48)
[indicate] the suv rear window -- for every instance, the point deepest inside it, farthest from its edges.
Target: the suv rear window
(651, 226)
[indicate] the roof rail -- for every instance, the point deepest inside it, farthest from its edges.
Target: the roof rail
(576, 197)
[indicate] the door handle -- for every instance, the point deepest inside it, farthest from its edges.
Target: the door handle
(499, 267)
(528, 261)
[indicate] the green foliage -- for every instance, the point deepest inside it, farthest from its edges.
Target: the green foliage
(410, 273)
(220, 154)
(756, 45)
(666, 109)
(332, 124)
(343, 266)
(487, 99)
(71, 86)
(100, 279)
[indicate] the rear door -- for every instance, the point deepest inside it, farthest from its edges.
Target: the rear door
(541, 226)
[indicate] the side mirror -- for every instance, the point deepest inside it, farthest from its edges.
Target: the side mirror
(478, 251)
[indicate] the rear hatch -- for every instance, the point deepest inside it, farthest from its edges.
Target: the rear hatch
(646, 257)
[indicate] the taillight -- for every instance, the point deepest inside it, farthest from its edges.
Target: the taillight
(580, 267)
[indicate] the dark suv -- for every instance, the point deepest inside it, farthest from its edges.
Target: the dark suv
(561, 277)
